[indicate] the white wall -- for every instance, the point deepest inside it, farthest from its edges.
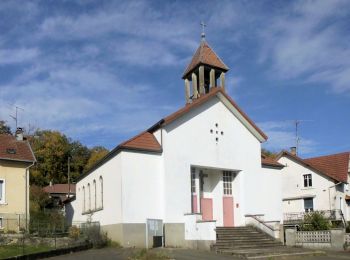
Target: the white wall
(293, 186)
(188, 141)
(112, 199)
(142, 187)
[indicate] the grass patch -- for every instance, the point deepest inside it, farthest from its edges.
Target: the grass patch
(14, 250)
(149, 255)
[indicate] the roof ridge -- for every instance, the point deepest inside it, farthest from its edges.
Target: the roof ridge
(327, 155)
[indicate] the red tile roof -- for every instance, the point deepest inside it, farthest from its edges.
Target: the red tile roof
(205, 55)
(60, 188)
(271, 162)
(11, 149)
(144, 141)
(335, 166)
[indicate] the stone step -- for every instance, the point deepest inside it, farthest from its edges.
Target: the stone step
(249, 247)
(236, 242)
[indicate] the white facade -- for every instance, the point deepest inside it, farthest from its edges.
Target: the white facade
(324, 192)
(140, 185)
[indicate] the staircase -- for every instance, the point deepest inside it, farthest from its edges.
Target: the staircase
(250, 243)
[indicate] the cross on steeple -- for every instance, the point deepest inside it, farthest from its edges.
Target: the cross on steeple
(203, 30)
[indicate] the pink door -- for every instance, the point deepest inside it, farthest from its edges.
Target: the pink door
(207, 209)
(228, 211)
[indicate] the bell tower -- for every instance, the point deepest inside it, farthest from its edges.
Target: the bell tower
(203, 72)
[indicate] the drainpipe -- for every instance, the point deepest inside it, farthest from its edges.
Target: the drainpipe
(26, 195)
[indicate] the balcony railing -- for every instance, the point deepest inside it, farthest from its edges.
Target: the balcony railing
(298, 217)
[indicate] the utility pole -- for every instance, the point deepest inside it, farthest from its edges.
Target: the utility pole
(297, 139)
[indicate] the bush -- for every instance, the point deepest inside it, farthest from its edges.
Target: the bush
(74, 232)
(96, 237)
(315, 221)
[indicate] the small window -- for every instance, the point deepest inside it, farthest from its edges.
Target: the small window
(307, 180)
(309, 204)
(1, 223)
(227, 181)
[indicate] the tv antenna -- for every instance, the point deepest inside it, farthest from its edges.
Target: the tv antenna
(297, 138)
(15, 117)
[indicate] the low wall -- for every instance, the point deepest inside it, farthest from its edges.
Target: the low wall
(327, 239)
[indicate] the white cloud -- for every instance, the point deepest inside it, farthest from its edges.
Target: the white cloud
(10, 56)
(282, 136)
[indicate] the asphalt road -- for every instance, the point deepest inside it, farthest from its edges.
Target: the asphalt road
(180, 254)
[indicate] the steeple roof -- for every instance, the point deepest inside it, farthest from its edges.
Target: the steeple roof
(205, 55)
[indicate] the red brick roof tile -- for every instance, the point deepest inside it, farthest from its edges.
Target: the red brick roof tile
(335, 166)
(268, 161)
(11, 149)
(143, 141)
(60, 188)
(205, 55)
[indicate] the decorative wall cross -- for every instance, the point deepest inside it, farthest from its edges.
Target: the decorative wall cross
(216, 132)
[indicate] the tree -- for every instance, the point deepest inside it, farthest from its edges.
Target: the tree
(38, 199)
(51, 149)
(269, 153)
(4, 128)
(97, 153)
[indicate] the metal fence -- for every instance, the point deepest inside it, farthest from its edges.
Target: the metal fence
(44, 236)
(298, 217)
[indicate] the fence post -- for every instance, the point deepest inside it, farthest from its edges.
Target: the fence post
(337, 238)
(290, 237)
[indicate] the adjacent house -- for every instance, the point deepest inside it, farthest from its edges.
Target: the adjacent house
(16, 157)
(315, 184)
(59, 193)
(193, 171)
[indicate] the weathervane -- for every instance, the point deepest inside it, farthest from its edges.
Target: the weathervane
(203, 30)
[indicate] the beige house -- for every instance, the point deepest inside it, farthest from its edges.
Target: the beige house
(16, 157)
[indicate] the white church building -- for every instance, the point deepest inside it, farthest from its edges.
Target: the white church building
(194, 170)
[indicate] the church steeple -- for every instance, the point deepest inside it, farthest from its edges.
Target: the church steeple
(205, 67)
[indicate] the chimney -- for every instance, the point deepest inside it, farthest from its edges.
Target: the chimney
(19, 134)
(293, 150)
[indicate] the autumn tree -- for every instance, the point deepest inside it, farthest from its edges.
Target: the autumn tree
(4, 128)
(97, 153)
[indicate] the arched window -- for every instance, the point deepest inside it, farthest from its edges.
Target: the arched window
(89, 199)
(83, 199)
(94, 197)
(101, 192)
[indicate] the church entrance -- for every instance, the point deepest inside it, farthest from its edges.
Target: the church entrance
(212, 196)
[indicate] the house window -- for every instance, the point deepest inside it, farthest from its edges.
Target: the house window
(2, 191)
(89, 199)
(101, 191)
(227, 181)
(1, 223)
(83, 199)
(307, 180)
(309, 204)
(193, 180)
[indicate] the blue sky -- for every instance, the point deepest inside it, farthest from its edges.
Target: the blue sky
(102, 71)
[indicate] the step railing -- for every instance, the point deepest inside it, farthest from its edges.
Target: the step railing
(258, 223)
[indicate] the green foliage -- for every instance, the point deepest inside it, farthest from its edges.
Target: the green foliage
(38, 199)
(4, 128)
(96, 237)
(74, 232)
(268, 153)
(52, 150)
(315, 221)
(97, 153)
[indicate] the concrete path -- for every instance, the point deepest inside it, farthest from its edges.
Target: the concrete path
(180, 254)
